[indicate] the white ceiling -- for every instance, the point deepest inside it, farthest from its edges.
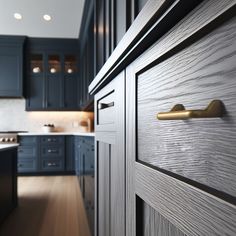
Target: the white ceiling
(66, 18)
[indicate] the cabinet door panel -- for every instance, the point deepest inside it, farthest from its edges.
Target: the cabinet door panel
(10, 72)
(27, 165)
(154, 224)
(11, 66)
(52, 164)
(52, 151)
(29, 152)
(111, 191)
(52, 140)
(70, 91)
(109, 105)
(53, 91)
(191, 72)
(70, 153)
(104, 189)
(28, 140)
(100, 34)
(120, 14)
(110, 162)
(35, 91)
(203, 149)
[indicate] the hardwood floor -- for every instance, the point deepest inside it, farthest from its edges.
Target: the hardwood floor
(48, 206)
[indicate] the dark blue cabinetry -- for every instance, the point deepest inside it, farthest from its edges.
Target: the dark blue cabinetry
(52, 74)
(28, 154)
(11, 66)
(70, 154)
(46, 154)
(8, 181)
(52, 153)
(84, 164)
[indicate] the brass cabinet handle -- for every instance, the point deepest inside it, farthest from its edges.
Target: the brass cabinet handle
(105, 105)
(178, 112)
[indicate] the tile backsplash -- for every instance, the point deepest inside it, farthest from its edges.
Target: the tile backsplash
(14, 117)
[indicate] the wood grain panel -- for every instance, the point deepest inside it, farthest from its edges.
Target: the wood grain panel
(117, 191)
(111, 190)
(110, 165)
(191, 210)
(110, 118)
(130, 136)
(202, 150)
(154, 224)
(104, 201)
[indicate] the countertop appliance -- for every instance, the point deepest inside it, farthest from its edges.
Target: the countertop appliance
(8, 137)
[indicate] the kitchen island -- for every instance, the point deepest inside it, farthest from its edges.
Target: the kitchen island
(8, 179)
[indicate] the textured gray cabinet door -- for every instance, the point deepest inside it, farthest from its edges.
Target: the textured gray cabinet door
(110, 163)
(181, 174)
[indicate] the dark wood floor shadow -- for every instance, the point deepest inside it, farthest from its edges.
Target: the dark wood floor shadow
(48, 206)
(27, 217)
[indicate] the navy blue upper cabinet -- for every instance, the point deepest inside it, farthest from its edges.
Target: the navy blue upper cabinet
(11, 66)
(52, 74)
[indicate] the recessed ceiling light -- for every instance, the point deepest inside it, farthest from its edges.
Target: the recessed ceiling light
(47, 17)
(18, 16)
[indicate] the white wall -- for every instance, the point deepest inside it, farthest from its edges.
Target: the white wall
(14, 117)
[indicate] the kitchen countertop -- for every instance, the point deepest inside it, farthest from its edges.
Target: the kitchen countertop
(58, 133)
(8, 146)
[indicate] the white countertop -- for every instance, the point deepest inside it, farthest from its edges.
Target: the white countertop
(57, 133)
(7, 146)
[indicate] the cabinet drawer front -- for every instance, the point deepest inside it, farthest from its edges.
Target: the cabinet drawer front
(108, 102)
(52, 151)
(27, 152)
(52, 164)
(105, 109)
(203, 149)
(27, 165)
(52, 140)
(27, 140)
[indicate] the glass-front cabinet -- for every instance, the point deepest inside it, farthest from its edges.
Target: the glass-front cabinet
(36, 63)
(70, 64)
(52, 80)
(35, 82)
(54, 63)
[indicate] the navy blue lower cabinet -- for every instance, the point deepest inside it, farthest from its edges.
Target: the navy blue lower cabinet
(70, 153)
(28, 154)
(47, 154)
(84, 164)
(52, 153)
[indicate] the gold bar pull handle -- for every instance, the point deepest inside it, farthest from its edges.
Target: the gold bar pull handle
(178, 112)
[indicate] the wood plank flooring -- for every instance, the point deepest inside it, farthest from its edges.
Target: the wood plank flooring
(48, 206)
